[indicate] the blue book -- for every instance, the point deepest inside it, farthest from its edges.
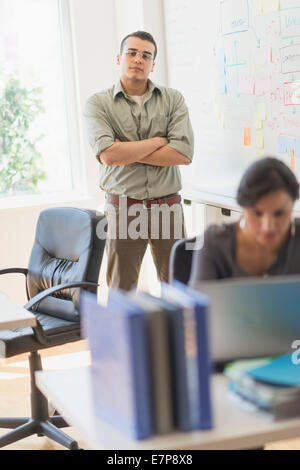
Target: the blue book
(159, 355)
(197, 356)
(120, 365)
(180, 401)
(280, 371)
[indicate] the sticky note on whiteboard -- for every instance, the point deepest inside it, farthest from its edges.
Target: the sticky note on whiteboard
(221, 120)
(247, 136)
(259, 140)
(292, 153)
(246, 85)
(290, 144)
(259, 86)
(261, 112)
(271, 5)
(297, 148)
(258, 123)
(262, 85)
(282, 144)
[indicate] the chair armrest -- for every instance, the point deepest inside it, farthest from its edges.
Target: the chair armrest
(17, 271)
(38, 329)
(14, 270)
(51, 290)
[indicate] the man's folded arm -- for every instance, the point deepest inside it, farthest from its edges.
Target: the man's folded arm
(166, 156)
(180, 147)
(109, 150)
(174, 149)
(125, 153)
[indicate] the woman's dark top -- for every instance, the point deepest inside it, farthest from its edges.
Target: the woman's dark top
(217, 258)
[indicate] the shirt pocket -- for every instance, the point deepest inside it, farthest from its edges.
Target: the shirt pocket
(158, 125)
(128, 127)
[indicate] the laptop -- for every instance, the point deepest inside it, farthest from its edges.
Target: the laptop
(254, 317)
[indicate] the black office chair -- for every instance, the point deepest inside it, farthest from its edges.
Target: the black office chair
(66, 255)
(181, 259)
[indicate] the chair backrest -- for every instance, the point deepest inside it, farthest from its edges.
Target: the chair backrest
(181, 260)
(66, 249)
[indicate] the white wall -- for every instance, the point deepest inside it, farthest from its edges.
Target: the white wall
(154, 24)
(129, 17)
(94, 28)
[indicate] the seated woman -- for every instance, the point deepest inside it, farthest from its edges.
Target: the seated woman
(266, 241)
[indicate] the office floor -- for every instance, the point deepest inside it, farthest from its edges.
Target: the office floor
(14, 393)
(15, 389)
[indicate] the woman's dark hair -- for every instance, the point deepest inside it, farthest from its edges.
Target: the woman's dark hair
(263, 177)
(141, 35)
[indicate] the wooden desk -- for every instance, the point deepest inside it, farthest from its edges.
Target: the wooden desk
(13, 315)
(235, 428)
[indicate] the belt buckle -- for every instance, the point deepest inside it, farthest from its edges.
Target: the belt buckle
(145, 201)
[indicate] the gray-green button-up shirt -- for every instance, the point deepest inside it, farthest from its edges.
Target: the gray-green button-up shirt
(111, 114)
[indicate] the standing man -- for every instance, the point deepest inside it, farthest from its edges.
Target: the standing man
(140, 133)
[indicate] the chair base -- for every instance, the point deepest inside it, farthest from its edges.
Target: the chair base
(40, 423)
(24, 427)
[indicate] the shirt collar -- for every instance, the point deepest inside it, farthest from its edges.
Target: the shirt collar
(118, 88)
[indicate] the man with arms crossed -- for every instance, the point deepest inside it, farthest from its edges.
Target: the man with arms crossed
(140, 133)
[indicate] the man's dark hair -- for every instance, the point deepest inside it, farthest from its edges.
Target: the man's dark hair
(263, 177)
(141, 35)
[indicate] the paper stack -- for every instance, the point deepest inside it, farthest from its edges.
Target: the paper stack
(272, 385)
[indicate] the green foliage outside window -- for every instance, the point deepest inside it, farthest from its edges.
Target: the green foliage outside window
(21, 164)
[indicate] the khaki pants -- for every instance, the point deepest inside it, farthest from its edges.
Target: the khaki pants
(128, 237)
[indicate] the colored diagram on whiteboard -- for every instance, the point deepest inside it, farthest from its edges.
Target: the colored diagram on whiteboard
(237, 63)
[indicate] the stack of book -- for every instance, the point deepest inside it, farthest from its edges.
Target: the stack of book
(150, 360)
(271, 385)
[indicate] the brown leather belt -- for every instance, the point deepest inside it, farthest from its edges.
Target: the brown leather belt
(147, 203)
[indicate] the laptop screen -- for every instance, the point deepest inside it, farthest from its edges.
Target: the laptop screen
(254, 317)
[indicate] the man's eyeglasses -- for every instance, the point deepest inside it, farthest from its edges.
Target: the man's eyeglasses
(143, 55)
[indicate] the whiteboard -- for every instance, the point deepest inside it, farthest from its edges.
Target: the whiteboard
(237, 63)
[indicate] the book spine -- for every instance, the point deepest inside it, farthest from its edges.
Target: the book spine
(205, 407)
(190, 345)
(141, 383)
(160, 371)
(179, 372)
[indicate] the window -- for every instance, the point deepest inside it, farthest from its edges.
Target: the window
(39, 131)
